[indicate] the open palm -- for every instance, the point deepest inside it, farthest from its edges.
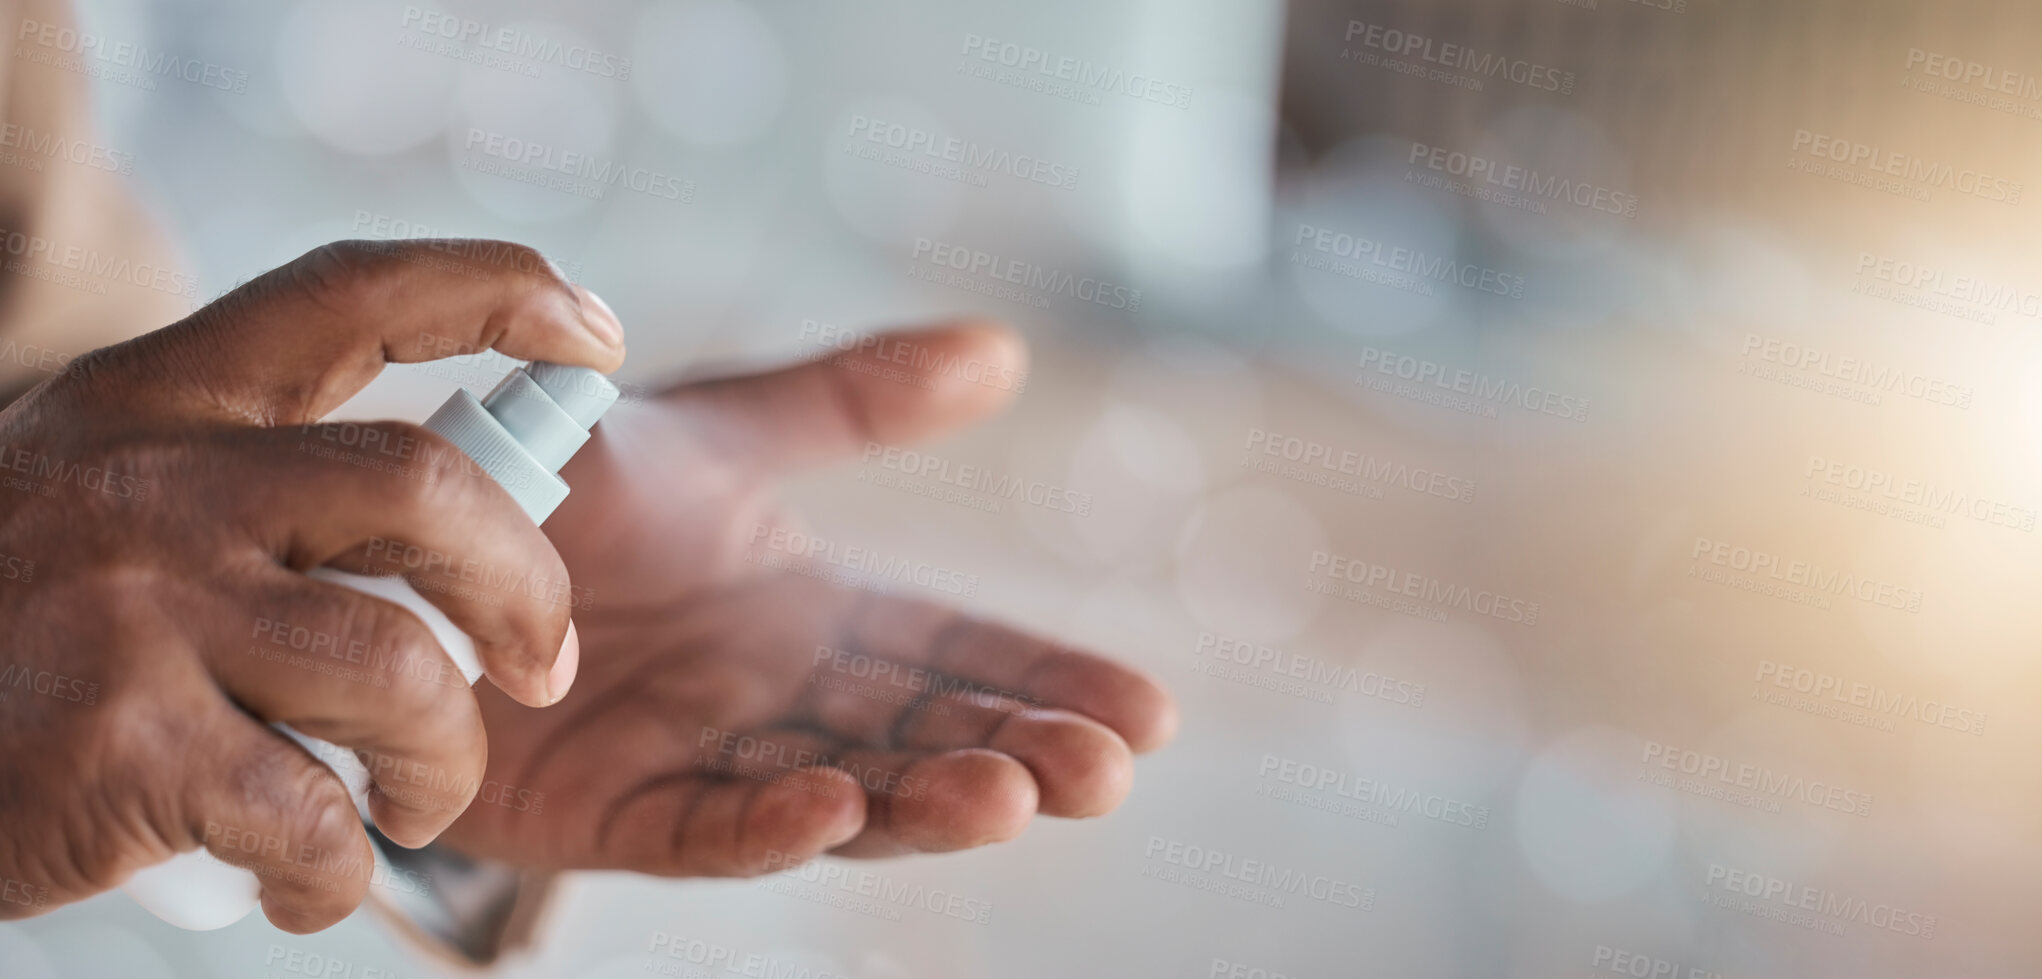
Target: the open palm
(730, 718)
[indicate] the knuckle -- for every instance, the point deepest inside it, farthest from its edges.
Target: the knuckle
(319, 814)
(445, 460)
(444, 734)
(104, 365)
(303, 809)
(523, 257)
(518, 259)
(420, 683)
(418, 473)
(539, 612)
(438, 784)
(400, 654)
(137, 727)
(335, 276)
(542, 282)
(127, 751)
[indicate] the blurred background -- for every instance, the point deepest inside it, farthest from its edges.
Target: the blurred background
(1573, 460)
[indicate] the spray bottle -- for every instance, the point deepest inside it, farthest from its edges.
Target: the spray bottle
(520, 434)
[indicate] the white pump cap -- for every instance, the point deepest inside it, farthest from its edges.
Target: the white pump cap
(526, 429)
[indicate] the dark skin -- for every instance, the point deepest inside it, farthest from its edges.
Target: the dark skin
(684, 634)
(164, 496)
(170, 491)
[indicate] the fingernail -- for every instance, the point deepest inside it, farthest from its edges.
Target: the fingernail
(600, 318)
(562, 675)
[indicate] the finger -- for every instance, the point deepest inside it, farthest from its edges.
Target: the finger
(412, 505)
(368, 677)
(257, 801)
(1082, 768)
(898, 388)
(997, 661)
(938, 803)
(685, 824)
(292, 344)
(915, 801)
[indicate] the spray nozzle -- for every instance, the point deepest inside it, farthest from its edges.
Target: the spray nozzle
(527, 428)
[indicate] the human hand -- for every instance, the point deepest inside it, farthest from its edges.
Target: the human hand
(707, 735)
(159, 502)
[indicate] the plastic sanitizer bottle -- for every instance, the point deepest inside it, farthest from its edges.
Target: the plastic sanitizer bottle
(521, 434)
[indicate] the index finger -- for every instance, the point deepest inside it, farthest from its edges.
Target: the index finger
(292, 344)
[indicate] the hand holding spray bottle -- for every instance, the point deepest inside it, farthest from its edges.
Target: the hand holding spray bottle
(521, 434)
